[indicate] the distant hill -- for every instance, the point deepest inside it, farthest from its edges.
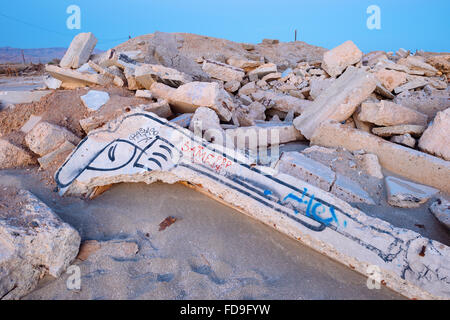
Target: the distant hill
(42, 55)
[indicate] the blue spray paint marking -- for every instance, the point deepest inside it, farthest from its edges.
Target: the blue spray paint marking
(267, 192)
(311, 209)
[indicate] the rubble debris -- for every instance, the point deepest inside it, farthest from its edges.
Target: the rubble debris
(147, 74)
(281, 102)
(411, 129)
(57, 156)
(17, 97)
(144, 94)
(246, 65)
(441, 210)
(417, 64)
(232, 86)
(309, 214)
(190, 96)
(222, 71)
(336, 60)
(428, 102)
(12, 156)
(436, 138)
(72, 79)
(318, 86)
(404, 139)
(441, 63)
(391, 79)
(52, 83)
(386, 113)
(31, 123)
(79, 51)
(350, 191)
(409, 163)
(24, 219)
(415, 84)
(247, 115)
(405, 194)
(95, 99)
(183, 120)
(338, 102)
(371, 165)
(263, 70)
(46, 137)
(206, 124)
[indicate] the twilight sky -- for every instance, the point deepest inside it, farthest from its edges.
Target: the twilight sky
(411, 24)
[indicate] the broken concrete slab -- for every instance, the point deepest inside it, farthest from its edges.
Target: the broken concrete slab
(418, 64)
(428, 102)
(52, 83)
(336, 60)
(436, 138)
(415, 84)
(338, 102)
(246, 65)
(263, 134)
(222, 71)
(386, 113)
(281, 102)
(247, 115)
(248, 89)
(147, 74)
(46, 137)
(411, 129)
(144, 94)
(441, 63)
(79, 51)
(404, 139)
(306, 169)
(350, 191)
(31, 123)
(441, 210)
(406, 194)
(391, 79)
(74, 79)
(371, 165)
(188, 97)
(205, 123)
(263, 70)
(318, 86)
(417, 166)
(12, 156)
(232, 86)
(95, 99)
(18, 97)
(57, 156)
(33, 242)
(294, 207)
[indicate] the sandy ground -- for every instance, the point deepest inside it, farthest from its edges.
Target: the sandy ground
(210, 252)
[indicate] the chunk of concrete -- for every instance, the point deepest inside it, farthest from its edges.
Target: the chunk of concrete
(405, 194)
(436, 138)
(281, 102)
(391, 79)
(350, 191)
(246, 65)
(441, 63)
(417, 166)
(371, 165)
(94, 99)
(31, 123)
(12, 156)
(338, 102)
(34, 242)
(411, 129)
(75, 79)
(306, 169)
(247, 115)
(232, 86)
(248, 89)
(428, 102)
(336, 60)
(386, 113)
(441, 210)
(404, 139)
(263, 70)
(410, 85)
(46, 137)
(18, 97)
(188, 97)
(57, 156)
(79, 51)
(318, 86)
(416, 63)
(315, 217)
(183, 120)
(52, 83)
(144, 94)
(147, 74)
(222, 71)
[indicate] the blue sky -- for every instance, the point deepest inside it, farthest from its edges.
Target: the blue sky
(411, 24)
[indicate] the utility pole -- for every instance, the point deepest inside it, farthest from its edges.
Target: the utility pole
(295, 37)
(23, 57)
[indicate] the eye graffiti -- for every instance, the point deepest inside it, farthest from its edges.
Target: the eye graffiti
(158, 154)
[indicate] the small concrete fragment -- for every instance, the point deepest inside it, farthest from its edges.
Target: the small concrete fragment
(441, 210)
(318, 86)
(246, 65)
(404, 139)
(183, 120)
(52, 83)
(350, 191)
(144, 94)
(417, 64)
(407, 162)
(18, 97)
(79, 51)
(94, 99)
(263, 70)
(391, 79)
(414, 84)
(33, 242)
(405, 194)
(281, 102)
(338, 102)
(75, 79)
(12, 156)
(247, 115)
(31, 123)
(306, 169)
(386, 113)
(411, 129)
(147, 74)
(57, 156)
(232, 86)
(371, 165)
(336, 60)
(436, 138)
(222, 71)
(46, 137)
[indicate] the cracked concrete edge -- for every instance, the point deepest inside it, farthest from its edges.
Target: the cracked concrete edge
(346, 234)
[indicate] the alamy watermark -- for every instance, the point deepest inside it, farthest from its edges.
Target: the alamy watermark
(374, 20)
(74, 20)
(74, 280)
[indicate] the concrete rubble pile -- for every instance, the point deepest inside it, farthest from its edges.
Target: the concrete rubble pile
(293, 143)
